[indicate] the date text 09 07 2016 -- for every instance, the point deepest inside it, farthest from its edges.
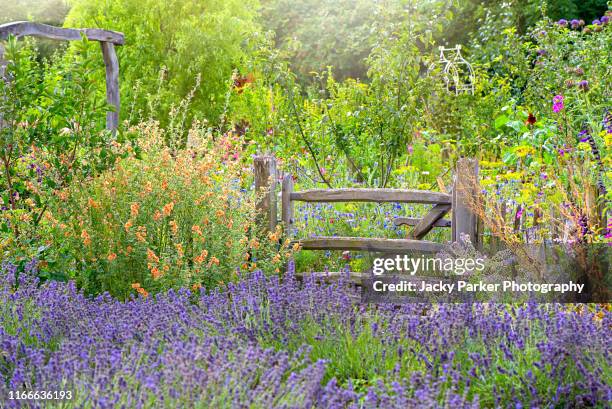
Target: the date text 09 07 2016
(40, 395)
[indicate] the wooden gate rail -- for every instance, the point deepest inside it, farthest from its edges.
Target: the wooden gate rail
(107, 39)
(463, 219)
(371, 195)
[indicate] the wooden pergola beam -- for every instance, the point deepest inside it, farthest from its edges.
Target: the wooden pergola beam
(29, 28)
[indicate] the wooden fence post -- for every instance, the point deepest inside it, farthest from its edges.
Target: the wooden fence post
(464, 220)
(112, 84)
(265, 181)
(287, 204)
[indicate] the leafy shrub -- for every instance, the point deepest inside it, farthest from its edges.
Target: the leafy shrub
(168, 45)
(172, 218)
(52, 135)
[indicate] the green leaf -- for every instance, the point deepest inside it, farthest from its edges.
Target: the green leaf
(501, 121)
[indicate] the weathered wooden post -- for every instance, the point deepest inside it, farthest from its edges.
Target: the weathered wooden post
(286, 203)
(464, 220)
(112, 84)
(265, 183)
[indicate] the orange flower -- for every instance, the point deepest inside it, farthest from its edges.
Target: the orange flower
(201, 257)
(135, 285)
(179, 249)
(213, 260)
(86, 238)
(168, 208)
(111, 257)
(173, 227)
(151, 257)
(196, 230)
(157, 215)
(92, 203)
(142, 292)
(220, 213)
(141, 233)
(155, 273)
(196, 286)
(134, 207)
(127, 225)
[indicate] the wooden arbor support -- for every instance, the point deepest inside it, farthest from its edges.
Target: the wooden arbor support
(107, 39)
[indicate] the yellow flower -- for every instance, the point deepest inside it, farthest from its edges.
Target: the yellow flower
(523, 150)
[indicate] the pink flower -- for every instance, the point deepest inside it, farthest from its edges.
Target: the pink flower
(557, 103)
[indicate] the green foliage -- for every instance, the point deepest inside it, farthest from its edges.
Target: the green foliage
(42, 11)
(169, 46)
(52, 135)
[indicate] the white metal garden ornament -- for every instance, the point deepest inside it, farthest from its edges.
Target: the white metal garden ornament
(457, 73)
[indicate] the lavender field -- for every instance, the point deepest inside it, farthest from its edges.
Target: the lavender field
(265, 343)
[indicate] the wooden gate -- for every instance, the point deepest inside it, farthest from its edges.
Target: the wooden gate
(463, 220)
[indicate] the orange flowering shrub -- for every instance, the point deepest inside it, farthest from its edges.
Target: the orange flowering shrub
(168, 218)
